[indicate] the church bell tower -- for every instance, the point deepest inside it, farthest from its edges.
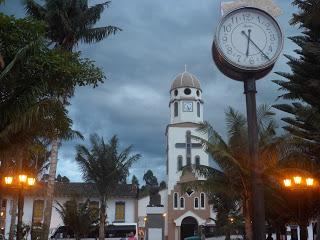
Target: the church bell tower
(186, 112)
(185, 99)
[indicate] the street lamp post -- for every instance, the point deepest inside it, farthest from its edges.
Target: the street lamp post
(299, 183)
(21, 182)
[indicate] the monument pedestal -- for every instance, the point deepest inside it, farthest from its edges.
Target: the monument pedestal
(155, 223)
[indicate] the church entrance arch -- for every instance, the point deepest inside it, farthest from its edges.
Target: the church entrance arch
(188, 228)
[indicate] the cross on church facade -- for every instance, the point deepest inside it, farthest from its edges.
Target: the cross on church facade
(188, 145)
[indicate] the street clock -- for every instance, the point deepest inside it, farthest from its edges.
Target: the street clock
(247, 43)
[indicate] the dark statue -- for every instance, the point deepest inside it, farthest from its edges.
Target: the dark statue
(155, 198)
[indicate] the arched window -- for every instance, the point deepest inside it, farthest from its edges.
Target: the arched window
(182, 203)
(202, 200)
(179, 163)
(196, 203)
(198, 109)
(197, 161)
(188, 140)
(175, 200)
(176, 109)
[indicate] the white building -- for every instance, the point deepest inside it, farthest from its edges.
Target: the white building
(121, 207)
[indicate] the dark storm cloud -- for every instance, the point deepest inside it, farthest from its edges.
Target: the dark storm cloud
(140, 62)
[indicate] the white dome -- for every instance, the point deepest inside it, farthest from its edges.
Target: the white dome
(185, 79)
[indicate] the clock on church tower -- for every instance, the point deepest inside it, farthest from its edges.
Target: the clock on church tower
(186, 103)
(186, 112)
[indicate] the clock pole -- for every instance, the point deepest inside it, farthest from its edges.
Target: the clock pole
(257, 197)
(234, 61)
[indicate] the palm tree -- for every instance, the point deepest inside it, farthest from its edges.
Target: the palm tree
(68, 23)
(71, 21)
(104, 166)
(233, 158)
(77, 217)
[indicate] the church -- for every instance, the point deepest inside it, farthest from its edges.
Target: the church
(185, 210)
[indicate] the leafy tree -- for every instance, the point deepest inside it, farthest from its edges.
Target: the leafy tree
(78, 217)
(32, 83)
(302, 84)
(105, 166)
(150, 179)
(67, 23)
(135, 181)
(30, 88)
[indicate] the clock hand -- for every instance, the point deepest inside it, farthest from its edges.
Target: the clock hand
(249, 32)
(249, 39)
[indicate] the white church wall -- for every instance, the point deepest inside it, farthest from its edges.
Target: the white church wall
(178, 135)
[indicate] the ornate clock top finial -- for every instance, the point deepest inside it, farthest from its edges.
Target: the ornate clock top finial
(266, 5)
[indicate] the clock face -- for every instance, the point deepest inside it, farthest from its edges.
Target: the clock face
(249, 39)
(187, 106)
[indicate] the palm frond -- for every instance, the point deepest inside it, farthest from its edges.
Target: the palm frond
(34, 9)
(97, 34)
(92, 14)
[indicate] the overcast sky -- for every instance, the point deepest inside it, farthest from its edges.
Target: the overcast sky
(159, 37)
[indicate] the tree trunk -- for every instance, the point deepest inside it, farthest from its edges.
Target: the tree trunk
(318, 228)
(13, 218)
(102, 218)
(247, 219)
(50, 188)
